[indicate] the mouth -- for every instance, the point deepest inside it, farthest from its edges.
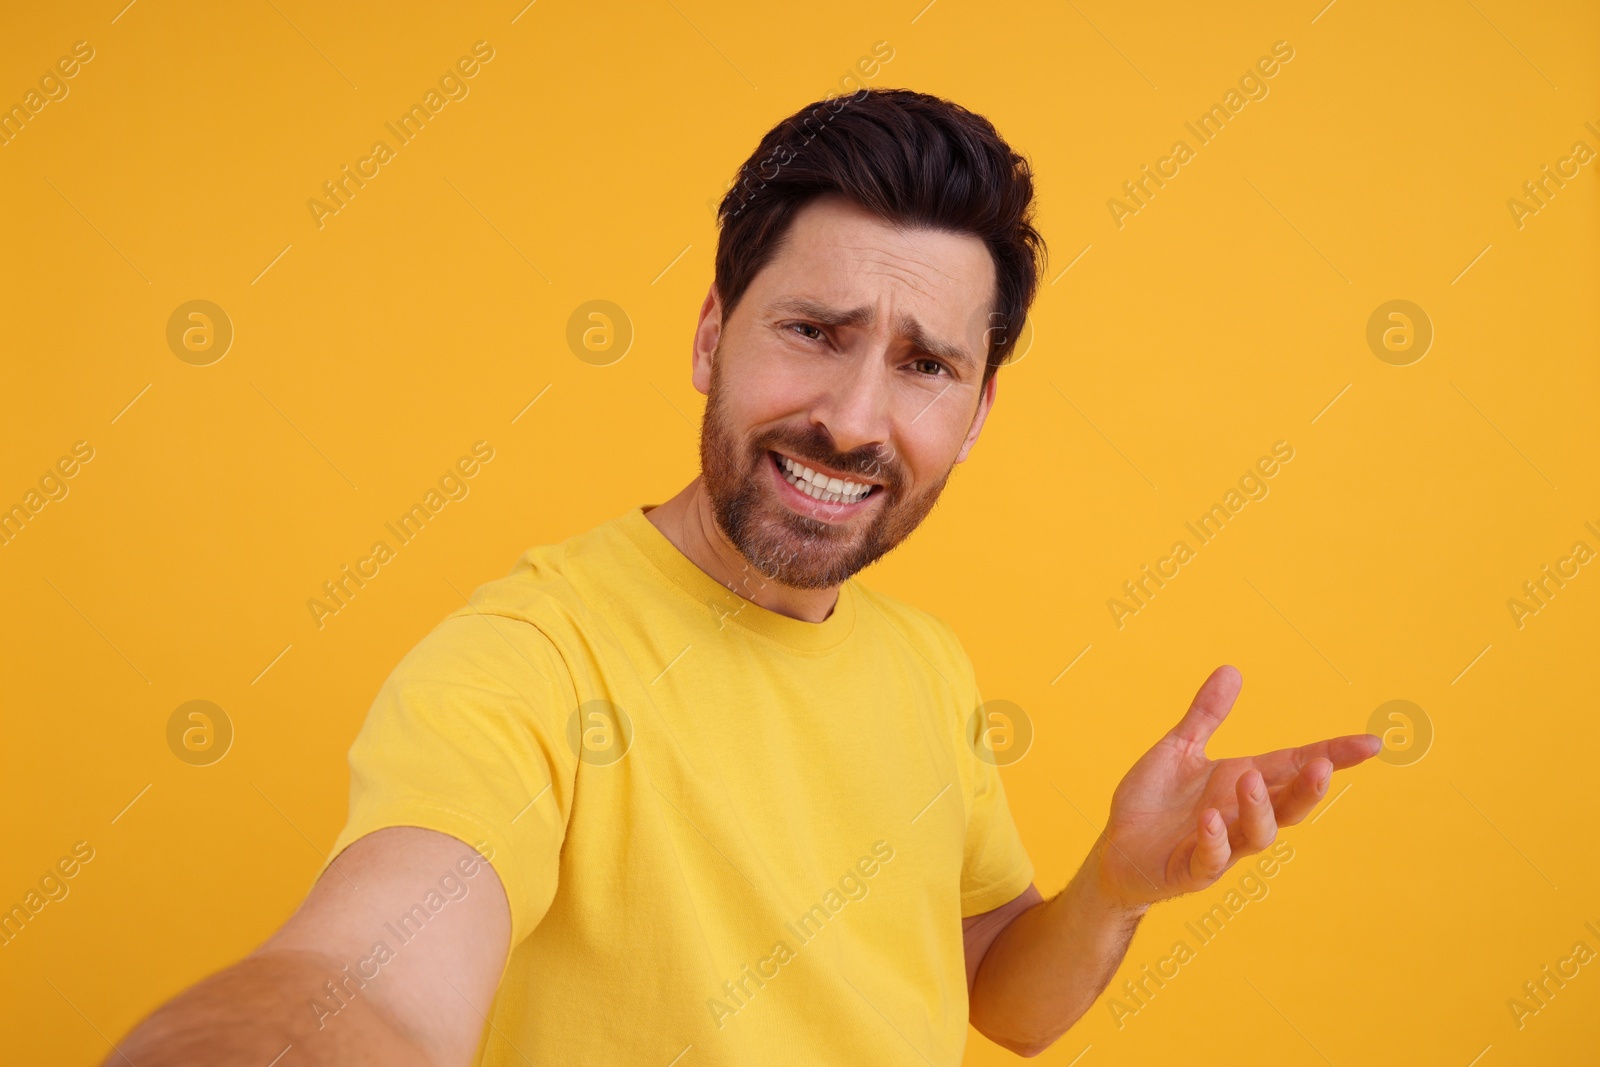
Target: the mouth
(810, 486)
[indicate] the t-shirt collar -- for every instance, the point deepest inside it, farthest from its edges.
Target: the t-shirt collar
(722, 602)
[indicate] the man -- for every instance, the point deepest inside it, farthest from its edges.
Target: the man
(679, 790)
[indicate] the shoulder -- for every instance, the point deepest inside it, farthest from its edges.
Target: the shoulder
(556, 587)
(931, 635)
(538, 615)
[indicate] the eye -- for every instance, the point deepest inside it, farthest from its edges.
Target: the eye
(806, 326)
(926, 362)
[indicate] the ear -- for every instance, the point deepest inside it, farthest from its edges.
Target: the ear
(706, 334)
(985, 402)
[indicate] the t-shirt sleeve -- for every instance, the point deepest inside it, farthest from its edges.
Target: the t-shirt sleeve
(996, 867)
(468, 736)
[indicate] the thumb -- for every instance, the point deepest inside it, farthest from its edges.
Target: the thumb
(1211, 705)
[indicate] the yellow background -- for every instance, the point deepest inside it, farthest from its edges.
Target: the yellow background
(1226, 315)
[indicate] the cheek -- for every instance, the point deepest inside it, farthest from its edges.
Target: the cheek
(771, 389)
(945, 423)
(924, 450)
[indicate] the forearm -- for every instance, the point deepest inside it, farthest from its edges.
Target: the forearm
(1048, 965)
(250, 1013)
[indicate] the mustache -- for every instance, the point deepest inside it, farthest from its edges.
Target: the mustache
(873, 462)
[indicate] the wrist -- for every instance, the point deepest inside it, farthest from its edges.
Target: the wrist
(1102, 889)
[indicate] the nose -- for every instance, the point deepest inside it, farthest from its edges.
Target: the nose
(855, 408)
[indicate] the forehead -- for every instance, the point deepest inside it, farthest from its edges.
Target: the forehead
(839, 252)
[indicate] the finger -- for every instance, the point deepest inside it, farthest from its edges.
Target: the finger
(1211, 705)
(1342, 752)
(1211, 852)
(1258, 825)
(1349, 750)
(1305, 792)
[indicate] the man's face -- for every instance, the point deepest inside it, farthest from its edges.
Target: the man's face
(857, 352)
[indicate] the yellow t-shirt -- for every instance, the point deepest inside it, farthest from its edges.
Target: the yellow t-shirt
(726, 835)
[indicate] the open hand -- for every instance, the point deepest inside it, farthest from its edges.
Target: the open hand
(1180, 819)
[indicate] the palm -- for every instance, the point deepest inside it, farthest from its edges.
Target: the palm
(1161, 839)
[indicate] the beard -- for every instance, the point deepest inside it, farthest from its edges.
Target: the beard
(781, 544)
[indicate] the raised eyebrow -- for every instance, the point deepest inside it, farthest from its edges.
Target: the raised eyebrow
(906, 326)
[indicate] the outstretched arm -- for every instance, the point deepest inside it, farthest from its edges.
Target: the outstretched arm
(323, 986)
(1178, 821)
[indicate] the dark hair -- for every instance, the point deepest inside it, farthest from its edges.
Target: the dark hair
(911, 158)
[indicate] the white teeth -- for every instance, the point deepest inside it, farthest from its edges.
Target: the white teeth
(821, 487)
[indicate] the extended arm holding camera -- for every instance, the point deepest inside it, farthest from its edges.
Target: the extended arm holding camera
(357, 974)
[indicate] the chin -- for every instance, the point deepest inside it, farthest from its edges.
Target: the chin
(806, 553)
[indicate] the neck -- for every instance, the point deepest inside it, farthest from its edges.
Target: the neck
(688, 522)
